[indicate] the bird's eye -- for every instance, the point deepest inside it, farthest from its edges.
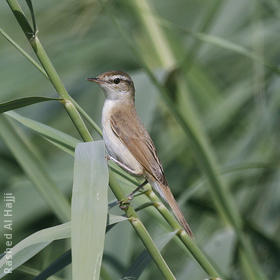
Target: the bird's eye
(117, 81)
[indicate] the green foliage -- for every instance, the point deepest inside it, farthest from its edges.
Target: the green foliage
(34, 243)
(22, 102)
(89, 209)
(206, 77)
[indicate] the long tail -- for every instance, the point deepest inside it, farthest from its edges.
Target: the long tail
(167, 195)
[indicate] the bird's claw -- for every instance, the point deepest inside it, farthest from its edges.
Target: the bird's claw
(124, 203)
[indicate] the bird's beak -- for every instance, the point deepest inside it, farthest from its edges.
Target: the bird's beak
(95, 80)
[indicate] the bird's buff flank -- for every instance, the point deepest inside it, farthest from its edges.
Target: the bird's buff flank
(127, 141)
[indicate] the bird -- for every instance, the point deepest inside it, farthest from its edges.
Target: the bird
(127, 142)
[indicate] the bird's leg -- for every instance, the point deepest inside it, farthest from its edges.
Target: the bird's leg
(131, 195)
(123, 166)
(124, 203)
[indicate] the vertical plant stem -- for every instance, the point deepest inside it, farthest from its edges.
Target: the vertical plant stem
(246, 267)
(153, 250)
(155, 33)
(77, 120)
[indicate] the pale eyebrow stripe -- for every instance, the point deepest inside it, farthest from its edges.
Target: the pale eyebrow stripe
(124, 78)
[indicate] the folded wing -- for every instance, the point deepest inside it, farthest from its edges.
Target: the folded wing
(129, 129)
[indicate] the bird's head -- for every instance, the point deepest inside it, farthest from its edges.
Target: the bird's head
(117, 85)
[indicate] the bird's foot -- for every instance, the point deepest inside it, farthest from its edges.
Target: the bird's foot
(124, 203)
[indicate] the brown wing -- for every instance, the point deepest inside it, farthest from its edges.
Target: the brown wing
(127, 126)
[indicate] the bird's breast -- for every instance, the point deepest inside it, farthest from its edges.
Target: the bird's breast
(115, 147)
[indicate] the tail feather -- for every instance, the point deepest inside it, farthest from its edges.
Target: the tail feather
(167, 195)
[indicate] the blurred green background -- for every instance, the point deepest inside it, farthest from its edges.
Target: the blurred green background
(229, 51)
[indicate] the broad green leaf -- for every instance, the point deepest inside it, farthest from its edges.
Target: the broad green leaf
(89, 209)
(34, 243)
(22, 102)
(52, 134)
(34, 168)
